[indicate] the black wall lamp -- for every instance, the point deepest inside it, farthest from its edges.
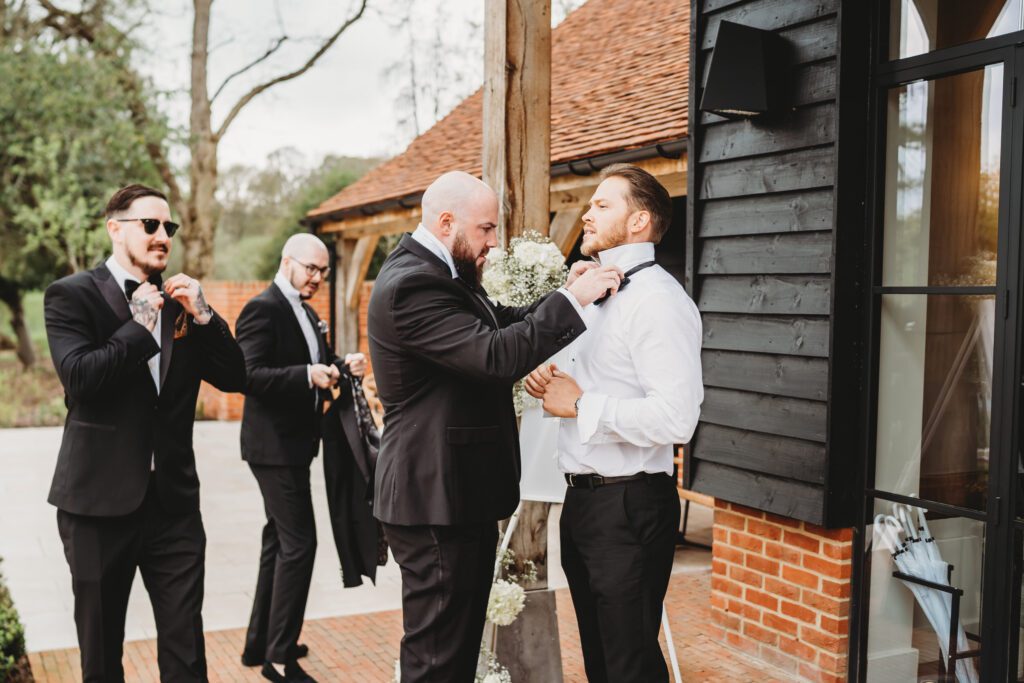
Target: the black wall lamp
(749, 73)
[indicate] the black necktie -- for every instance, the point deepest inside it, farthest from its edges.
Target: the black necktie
(625, 280)
(156, 279)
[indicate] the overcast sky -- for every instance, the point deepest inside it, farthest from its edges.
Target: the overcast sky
(344, 105)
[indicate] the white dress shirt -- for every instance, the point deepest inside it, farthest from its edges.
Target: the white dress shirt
(438, 248)
(638, 364)
(120, 275)
(293, 297)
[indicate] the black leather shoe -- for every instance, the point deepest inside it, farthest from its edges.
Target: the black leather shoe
(293, 673)
(250, 658)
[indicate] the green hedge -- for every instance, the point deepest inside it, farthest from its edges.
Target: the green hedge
(12, 637)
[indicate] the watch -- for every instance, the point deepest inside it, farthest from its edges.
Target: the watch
(576, 405)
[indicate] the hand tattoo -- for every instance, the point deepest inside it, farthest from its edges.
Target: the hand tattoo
(144, 313)
(204, 312)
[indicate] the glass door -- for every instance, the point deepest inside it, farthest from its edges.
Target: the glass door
(937, 574)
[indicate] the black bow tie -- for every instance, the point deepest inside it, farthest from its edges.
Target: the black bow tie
(156, 279)
(625, 280)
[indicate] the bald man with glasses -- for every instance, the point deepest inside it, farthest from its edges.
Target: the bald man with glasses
(291, 371)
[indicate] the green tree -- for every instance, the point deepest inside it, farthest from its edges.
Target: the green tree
(66, 143)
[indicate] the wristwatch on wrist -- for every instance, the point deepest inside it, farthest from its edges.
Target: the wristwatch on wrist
(577, 405)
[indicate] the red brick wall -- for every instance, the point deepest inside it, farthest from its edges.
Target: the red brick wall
(780, 591)
(228, 298)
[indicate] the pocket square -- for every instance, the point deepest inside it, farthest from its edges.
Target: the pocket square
(181, 325)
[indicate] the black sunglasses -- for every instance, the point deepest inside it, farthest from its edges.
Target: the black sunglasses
(151, 225)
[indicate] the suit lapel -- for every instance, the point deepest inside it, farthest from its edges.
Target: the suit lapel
(113, 294)
(430, 257)
(168, 314)
(293, 322)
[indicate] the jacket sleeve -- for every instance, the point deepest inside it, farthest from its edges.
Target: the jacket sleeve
(434, 321)
(223, 365)
(87, 366)
(256, 337)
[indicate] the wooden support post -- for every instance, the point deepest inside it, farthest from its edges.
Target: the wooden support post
(566, 227)
(517, 164)
(346, 317)
(362, 255)
(517, 112)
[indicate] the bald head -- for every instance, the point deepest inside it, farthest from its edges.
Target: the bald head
(305, 262)
(455, 193)
(304, 246)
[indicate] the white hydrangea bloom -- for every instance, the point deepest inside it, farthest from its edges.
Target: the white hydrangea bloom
(506, 602)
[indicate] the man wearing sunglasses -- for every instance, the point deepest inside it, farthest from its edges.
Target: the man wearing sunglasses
(131, 350)
(291, 371)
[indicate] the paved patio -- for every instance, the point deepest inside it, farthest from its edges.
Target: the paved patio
(353, 633)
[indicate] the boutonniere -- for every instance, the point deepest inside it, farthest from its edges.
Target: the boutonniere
(322, 327)
(181, 325)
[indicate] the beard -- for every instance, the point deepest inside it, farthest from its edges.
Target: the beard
(465, 261)
(148, 268)
(614, 237)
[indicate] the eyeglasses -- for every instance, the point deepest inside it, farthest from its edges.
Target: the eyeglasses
(151, 225)
(312, 270)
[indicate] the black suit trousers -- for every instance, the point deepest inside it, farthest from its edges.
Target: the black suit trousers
(286, 562)
(618, 543)
(103, 554)
(446, 582)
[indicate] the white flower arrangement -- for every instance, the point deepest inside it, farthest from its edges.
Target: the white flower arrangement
(531, 267)
(492, 671)
(505, 603)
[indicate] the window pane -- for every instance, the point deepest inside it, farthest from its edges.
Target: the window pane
(942, 180)
(906, 624)
(935, 397)
(919, 26)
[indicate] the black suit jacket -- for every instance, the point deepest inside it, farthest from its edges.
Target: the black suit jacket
(445, 361)
(116, 420)
(281, 417)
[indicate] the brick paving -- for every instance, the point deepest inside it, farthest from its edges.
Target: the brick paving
(363, 648)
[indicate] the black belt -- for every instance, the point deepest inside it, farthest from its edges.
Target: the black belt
(591, 481)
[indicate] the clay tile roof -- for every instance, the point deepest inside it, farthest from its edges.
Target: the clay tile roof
(619, 80)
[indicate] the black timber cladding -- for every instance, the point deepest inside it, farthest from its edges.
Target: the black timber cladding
(761, 264)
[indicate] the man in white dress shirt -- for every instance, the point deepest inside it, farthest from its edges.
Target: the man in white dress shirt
(632, 391)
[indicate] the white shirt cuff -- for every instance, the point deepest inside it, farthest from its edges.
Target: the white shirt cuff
(589, 418)
(309, 375)
(575, 304)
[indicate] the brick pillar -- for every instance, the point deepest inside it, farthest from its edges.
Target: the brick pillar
(780, 591)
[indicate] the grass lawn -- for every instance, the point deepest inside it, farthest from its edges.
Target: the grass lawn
(32, 398)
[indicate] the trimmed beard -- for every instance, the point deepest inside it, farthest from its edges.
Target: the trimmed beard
(465, 261)
(144, 267)
(616, 237)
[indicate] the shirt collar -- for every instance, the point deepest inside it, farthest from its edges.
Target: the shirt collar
(625, 256)
(436, 246)
(286, 288)
(119, 272)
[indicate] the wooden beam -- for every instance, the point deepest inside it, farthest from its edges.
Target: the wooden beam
(566, 227)
(362, 255)
(346, 334)
(382, 223)
(517, 112)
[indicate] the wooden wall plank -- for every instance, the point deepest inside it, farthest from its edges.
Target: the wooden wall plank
(716, 5)
(770, 15)
(782, 497)
(802, 252)
(766, 294)
(763, 334)
(809, 127)
(793, 212)
(801, 170)
(798, 418)
(767, 374)
(778, 456)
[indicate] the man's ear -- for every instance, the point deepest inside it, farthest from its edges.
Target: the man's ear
(445, 219)
(113, 230)
(640, 221)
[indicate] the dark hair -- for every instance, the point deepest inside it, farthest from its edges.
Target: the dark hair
(645, 194)
(124, 197)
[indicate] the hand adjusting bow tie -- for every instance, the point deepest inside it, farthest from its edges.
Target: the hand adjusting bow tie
(156, 279)
(625, 280)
